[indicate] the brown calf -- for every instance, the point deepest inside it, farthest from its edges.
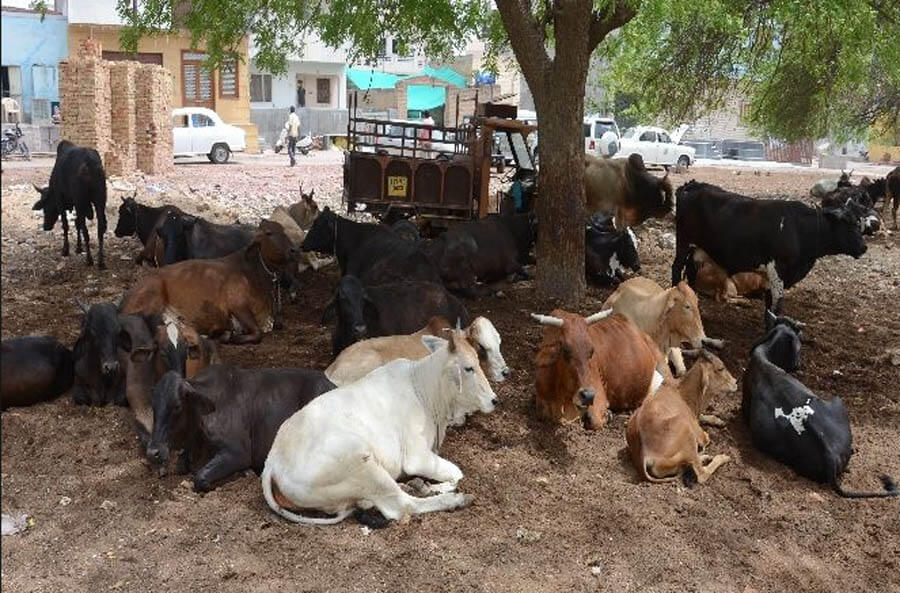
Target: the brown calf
(664, 435)
(235, 298)
(592, 364)
(713, 280)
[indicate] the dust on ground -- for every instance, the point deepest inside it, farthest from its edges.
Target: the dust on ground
(556, 509)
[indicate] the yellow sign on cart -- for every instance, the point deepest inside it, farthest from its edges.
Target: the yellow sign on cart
(396, 186)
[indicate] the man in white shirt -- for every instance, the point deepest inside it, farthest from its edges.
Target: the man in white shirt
(293, 133)
(425, 135)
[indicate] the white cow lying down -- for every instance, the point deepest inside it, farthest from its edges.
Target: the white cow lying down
(359, 359)
(347, 448)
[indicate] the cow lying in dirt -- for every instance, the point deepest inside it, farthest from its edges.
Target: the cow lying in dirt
(361, 358)
(671, 317)
(589, 365)
(664, 435)
(234, 298)
(231, 416)
(707, 277)
(34, 369)
(327, 459)
(791, 423)
(624, 188)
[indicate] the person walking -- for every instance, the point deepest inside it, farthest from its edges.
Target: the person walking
(292, 125)
(425, 134)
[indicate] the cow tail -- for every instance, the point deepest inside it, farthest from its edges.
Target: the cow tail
(267, 479)
(647, 468)
(890, 490)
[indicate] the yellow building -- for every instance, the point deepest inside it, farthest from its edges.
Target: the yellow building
(226, 91)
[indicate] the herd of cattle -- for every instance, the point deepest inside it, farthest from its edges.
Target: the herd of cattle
(410, 360)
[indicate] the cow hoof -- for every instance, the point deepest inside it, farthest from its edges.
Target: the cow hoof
(415, 487)
(461, 501)
(101, 266)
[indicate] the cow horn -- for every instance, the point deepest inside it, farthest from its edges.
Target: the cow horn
(691, 353)
(712, 343)
(598, 316)
(458, 325)
(547, 320)
(80, 305)
(35, 186)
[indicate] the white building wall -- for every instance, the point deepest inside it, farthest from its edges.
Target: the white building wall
(284, 87)
(97, 12)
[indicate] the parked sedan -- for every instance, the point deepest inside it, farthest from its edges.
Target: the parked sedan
(656, 146)
(198, 131)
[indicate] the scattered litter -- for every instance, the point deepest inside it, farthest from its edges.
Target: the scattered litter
(815, 497)
(527, 535)
(122, 185)
(837, 373)
(13, 524)
(108, 505)
(65, 501)
(542, 480)
(365, 530)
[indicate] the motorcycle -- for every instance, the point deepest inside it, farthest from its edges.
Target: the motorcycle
(14, 143)
(304, 143)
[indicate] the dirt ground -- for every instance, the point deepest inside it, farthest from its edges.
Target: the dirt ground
(556, 509)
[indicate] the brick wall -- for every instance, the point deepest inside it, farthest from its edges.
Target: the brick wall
(121, 109)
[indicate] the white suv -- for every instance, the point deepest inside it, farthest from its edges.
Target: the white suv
(594, 129)
(198, 131)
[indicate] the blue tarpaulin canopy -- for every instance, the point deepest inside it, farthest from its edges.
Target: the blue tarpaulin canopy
(420, 97)
(365, 80)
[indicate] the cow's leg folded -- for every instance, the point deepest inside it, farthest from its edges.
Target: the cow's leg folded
(223, 464)
(424, 463)
(708, 465)
(252, 333)
(394, 503)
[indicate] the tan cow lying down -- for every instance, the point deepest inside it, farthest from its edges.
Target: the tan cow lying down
(664, 435)
(712, 280)
(345, 450)
(296, 221)
(359, 359)
(589, 365)
(624, 188)
(670, 316)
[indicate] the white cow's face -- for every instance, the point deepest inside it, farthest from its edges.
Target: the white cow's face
(473, 393)
(485, 338)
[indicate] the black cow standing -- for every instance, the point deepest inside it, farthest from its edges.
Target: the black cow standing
(77, 182)
(741, 234)
(788, 421)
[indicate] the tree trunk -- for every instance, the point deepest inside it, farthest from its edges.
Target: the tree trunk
(560, 203)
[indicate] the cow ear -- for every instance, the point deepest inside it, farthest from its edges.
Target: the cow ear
(330, 312)
(201, 404)
(433, 343)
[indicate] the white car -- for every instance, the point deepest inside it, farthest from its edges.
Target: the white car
(656, 146)
(595, 127)
(198, 131)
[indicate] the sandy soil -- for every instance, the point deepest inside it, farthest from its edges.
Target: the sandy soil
(556, 509)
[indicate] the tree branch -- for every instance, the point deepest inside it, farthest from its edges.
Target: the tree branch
(527, 40)
(613, 16)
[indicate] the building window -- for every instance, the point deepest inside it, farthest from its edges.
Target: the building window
(261, 88)
(323, 90)
(399, 48)
(228, 80)
(382, 49)
(196, 81)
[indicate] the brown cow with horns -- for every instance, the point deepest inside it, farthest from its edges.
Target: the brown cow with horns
(588, 365)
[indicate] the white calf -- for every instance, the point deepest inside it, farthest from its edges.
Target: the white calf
(348, 448)
(359, 359)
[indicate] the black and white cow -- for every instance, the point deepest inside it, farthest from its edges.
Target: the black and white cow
(741, 234)
(608, 252)
(788, 421)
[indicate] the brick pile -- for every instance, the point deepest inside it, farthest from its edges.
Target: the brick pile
(153, 114)
(122, 109)
(121, 159)
(84, 94)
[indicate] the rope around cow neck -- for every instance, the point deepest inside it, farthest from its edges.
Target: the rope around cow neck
(276, 284)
